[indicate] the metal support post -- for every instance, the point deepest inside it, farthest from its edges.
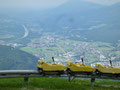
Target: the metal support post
(70, 78)
(92, 81)
(26, 79)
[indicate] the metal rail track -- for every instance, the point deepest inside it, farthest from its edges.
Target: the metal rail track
(19, 72)
(34, 73)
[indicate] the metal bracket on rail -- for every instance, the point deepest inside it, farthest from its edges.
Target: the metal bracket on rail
(70, 78)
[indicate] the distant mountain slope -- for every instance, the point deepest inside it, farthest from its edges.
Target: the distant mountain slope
(110, 31)
(76, 19)
(11, 58)
(71, 14)
(84, 19)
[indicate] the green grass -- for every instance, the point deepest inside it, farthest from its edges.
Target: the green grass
(31, 50)
(6, 36)
(57, 84)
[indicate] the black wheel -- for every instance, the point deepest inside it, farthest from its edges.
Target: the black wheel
(61, 72)
(93, 73)
(97, 72)
(117, 75)
(40, 70)
(89, 73)
(68, 71)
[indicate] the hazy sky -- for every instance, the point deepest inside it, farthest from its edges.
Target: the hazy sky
(42, 4)
(30, 3)
(105, 2)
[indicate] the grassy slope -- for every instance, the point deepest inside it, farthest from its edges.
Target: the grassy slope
(57, 83)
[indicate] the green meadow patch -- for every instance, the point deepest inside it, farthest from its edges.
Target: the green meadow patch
(43, 83)
(6, 36)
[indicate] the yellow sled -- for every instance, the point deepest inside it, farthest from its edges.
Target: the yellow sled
(107, 69)
(50, 66)
(80, 67)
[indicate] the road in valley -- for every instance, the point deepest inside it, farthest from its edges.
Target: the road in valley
(26, 31)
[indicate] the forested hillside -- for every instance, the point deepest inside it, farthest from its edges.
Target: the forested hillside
(11, 58)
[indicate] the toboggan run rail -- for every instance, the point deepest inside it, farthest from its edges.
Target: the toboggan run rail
(34, 73)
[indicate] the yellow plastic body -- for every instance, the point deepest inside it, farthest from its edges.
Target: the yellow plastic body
(80, 67)
(107, 69)
(51, 66)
